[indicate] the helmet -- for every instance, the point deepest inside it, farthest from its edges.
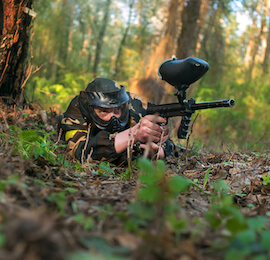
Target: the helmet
(105, 93)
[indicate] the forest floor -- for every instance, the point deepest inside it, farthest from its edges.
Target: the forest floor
(54, 209)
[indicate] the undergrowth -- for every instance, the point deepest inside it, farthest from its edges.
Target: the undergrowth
(155, 211)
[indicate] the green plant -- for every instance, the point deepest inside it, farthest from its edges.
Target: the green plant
(60, 199)
(156, 195)
(13, 180)
(251, 243)
(31, 142)
(206, 177)
(266, 179)
(223, 212)
(87, 222)
(2, 236)
(104, 169)
(49, 93)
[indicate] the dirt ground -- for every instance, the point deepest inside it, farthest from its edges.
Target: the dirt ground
(54, 211)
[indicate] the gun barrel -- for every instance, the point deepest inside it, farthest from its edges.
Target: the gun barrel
(176, 109)
(213, 104)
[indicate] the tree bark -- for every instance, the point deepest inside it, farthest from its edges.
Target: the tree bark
(1, 17)
(14, 44)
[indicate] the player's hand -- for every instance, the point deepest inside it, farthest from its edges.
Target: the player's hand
(154, 149)
(150, 130)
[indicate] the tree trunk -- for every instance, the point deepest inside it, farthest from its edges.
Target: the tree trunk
(166, 47)
(122, 43)
(257, 41)
(265, 65)
(14, 44)
(101, 36)
(157, 90)
(187, 40)
(213, 43)
(65, 22)
(1, 15)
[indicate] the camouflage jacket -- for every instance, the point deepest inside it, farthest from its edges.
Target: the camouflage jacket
(101, 146)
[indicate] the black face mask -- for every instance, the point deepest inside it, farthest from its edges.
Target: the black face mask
(114, 124)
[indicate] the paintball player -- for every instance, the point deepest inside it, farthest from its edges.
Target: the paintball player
(102, 121)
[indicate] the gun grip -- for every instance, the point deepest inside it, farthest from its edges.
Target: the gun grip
(183, 128)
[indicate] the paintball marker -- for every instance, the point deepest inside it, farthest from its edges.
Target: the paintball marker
(180, 74)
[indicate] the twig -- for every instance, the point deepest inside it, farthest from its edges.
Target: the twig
(59, 136)
(113, 182)
(45, 92)
(3, 115)
(5, 68)
(131, 141)
(135, 133)
(159, 147)
(89, 156)
(129, 155)
(148, 144)
(30, 73)
(86, 142)
(7, 126)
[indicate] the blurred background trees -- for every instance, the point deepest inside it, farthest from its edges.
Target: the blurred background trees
(126, 40)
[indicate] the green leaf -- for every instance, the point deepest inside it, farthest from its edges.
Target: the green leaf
(177, 224)
(246, 236)
(236, 222)
(130, 225)
(105, 167)
(161, 168)
(266, 239)
(147, 179)
(100, 245)
(2, 239)
(257, 223)
(150, 194)
(146, 165)
(259, 257)
(141, 210)
(265, 182)
(213, 220)
(178, 184)
(221, 187)
(71, 190)
(206, 176)
(237, 254)
(87, 222)
(40, 182)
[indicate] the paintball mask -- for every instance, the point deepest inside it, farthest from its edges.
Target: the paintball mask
(104, 93)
